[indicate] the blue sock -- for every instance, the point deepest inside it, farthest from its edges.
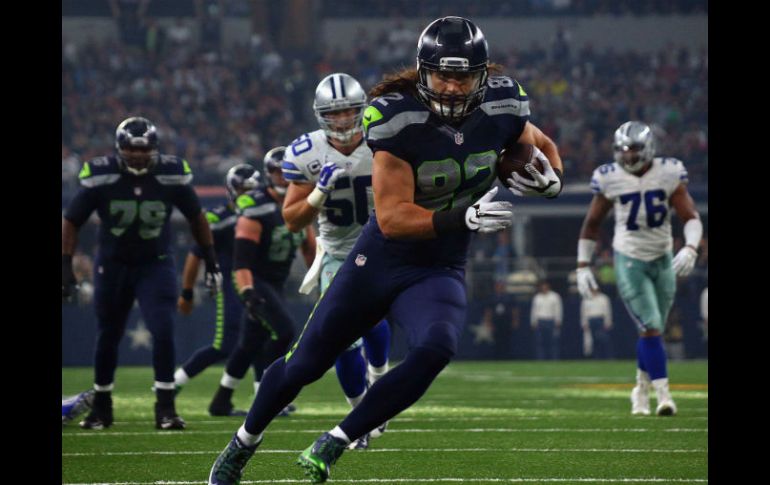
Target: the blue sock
(653, 356)
(351, 372)
(377, 344)
(640, 355)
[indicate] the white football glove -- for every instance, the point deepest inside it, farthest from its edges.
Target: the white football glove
(546, 184)
(684, 261)
(330, 172)
(586, 283)
(486, 216)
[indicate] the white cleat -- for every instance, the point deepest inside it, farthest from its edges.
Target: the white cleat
(640, 401)
(666, 408)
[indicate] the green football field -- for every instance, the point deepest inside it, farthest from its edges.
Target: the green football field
(480, 423)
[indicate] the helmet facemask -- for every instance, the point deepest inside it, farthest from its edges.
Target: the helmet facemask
(451, 107)
(137, 161)
(340, 127)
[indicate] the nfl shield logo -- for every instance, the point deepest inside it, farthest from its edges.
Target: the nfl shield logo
(137, 191)
(360, 260)
(459, 138)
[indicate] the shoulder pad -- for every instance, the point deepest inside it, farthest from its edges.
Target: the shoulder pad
(505, 96)
(303, 157)
(390, 113)
(675, 167)
(99, 171)
(599, 176)
(220, 217)
(172, 170)
(255, 203)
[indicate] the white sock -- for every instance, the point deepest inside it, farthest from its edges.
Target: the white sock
(642, 377)
(247, 438)
(107, 388)
(256, 387)
(167, 386)
(661, 388)
(338, 433)
(180, 377)
(229, 381)
(376, 372)
(353, 401)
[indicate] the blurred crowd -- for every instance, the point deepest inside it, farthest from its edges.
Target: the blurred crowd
(218, 106)
(505, 8)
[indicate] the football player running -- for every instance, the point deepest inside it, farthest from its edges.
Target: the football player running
(134, 194)
(263, 253)
(330, 174)
(436, 133)
(642, 188)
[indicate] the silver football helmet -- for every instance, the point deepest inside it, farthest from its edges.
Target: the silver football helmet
(337, 92)
(634, 146)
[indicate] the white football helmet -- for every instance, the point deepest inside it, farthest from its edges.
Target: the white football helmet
(634, 146)
(337, 92)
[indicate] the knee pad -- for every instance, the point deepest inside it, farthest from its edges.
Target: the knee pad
(441, 337)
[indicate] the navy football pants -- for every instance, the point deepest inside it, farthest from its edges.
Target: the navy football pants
(227, 324)
(427, 302)
(116, 286)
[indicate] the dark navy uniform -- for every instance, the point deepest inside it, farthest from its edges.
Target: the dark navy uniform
(262, 342)
(134, 258)
(222, 220)
(417, 284)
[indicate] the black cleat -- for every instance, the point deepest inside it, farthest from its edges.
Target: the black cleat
(100, 416)
(228, 468)
(166, 418)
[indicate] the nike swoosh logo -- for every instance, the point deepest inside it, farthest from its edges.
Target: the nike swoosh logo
(368, 117)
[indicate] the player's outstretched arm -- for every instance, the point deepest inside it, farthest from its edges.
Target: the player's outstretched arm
(682, 202)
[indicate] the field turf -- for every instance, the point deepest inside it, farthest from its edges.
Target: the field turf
(480, 423)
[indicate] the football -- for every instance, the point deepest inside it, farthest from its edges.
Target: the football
(513, 158)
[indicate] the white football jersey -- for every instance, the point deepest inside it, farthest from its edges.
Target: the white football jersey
(642, 209)
(347, 208)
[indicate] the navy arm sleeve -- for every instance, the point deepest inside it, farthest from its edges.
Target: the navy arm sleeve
(187, 202)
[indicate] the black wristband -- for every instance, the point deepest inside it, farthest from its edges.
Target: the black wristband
(561, 183)
(447, 222)
(187, 294)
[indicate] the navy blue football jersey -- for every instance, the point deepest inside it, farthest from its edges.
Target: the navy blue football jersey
(221, 220)
(134, 210)
(277, 245)
(453, 165)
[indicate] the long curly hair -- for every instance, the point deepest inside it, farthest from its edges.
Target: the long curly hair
(405, 81)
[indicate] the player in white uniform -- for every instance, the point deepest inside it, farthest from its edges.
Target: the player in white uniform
(642, 188)
(330, 175)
